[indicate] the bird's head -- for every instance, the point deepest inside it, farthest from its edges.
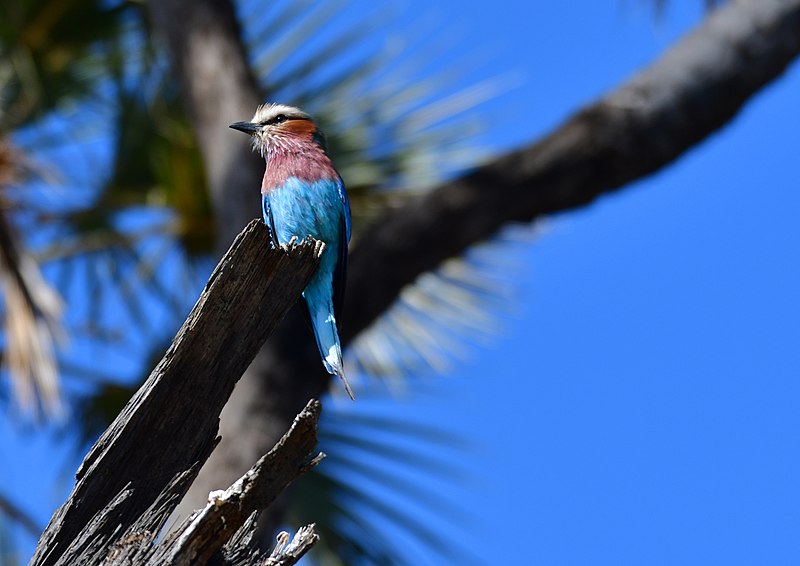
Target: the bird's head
(280, 127)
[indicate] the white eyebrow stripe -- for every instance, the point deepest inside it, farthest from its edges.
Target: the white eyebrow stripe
(267, 112)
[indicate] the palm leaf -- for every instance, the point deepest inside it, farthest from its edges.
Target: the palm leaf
(153, 206)
(445, 313)
(17, 515)
(367, 469)
(660, 5)
(9, 555)
(32, 309)
(46, 54)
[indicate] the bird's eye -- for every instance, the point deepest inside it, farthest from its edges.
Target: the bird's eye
(280, 118)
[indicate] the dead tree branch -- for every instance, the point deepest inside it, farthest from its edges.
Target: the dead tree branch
(204, 534)
(169, 428)
(286, 554)
(220, 532)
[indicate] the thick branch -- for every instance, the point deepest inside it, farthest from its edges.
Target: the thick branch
(170, 425)
(693, 90)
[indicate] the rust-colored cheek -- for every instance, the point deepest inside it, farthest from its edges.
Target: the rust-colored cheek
(302, 128)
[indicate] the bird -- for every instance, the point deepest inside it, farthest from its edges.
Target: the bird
(303, 195)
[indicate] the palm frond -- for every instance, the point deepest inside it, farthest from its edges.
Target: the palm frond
(445, 313)
(354, 497)
(9, 553)
(661, 5)
(17, 515)
(149, 209)
(46, 54)
(374, 106)
(32, 309)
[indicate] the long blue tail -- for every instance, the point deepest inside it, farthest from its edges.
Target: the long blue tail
(320, 307)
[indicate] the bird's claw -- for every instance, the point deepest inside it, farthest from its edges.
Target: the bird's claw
(290, 244)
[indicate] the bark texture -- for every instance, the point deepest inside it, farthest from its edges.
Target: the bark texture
(205, 534)
(169, 428)
(221, 533)
(693, 90)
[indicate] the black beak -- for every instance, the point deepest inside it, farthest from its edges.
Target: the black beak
(246, 127)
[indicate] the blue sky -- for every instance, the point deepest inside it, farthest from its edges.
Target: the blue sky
(653, 414)
(640, 407)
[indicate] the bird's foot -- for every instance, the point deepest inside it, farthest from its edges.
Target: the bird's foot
(290, 244)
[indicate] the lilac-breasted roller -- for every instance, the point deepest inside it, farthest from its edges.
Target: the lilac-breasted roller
(303, 195)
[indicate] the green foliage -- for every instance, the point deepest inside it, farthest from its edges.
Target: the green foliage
(46, 54)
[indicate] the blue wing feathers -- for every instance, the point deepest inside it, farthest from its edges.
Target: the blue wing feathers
(319, 209)
(340, 280)
(340, 273)
(269, 220)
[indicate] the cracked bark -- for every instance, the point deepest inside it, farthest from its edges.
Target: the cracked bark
(156, 445)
